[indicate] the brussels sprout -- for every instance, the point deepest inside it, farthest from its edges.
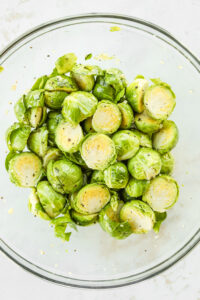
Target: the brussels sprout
(166, 138)
(76, 158)
(38, 141)
(167, 160)
(51, 154)
(110, 222)
(87, 125)
(40, 83)
(68, 137)
(103, 90)
(52, 201)
(55, 99)
(78, 107)
(37, 116)
(97, 176)
(8, 159)
(127, 115)
(135, 93)
(53, 119)
(35, 206)
(162, 193)
(116, 176)
(83, 220)
(139, 215)
(17, 136)
(160, 217)
(91, 198)
(146, 164)
(20, 110)
(107, 118)
(84, 77)
(135, 188)
(64, 176)
(159, 100)
(65, 63)
(145, 140)
(98, 151)
(126, 143)
(115, 78)
(61, 83)
(34, 99)
(25, 169)
(146, 124)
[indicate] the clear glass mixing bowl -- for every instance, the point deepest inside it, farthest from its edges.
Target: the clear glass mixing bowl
(93, 259)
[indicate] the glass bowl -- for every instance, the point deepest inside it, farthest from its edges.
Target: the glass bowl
(93, 259)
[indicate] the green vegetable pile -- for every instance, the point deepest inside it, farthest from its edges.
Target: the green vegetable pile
(95, 149)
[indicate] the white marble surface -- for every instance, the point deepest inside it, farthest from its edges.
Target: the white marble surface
(181, 18)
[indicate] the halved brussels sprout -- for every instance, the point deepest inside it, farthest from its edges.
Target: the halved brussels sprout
(145, 140)
(166, 138)
(139, 215)
(135, 93)
(97, 176)
(55, 99)
(126, 143)
(98, 151)
(20, 110)
(87, 125)
(37, 116)
(116, 176)
(146, 164)
(68, 137)
(127, 115)
(115, 78)
(107, 117)
(78, 107)
(135, 188)
(9, 156)
(52, 201)
(159, 100)
(65, 63)
(91, 198)
(51, 154)
(61, 83)
(34, 99)
(110, 222)
(40, 83)
(25, 169)
(146, 124)
(64, 176)
(83, 220)
(160, 217)
(167, 160)
(35, 206)
(38, 141)
(103, 90)
(17, 136)
(53, 119)
(162, 193)
(84, 77)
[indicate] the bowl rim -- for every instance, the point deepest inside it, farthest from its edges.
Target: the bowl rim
(113, 283)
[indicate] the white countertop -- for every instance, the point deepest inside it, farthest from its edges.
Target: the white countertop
(179, 17)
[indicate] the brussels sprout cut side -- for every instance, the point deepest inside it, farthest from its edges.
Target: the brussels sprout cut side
(146, 124)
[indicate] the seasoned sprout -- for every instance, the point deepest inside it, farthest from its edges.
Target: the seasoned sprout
(61, 83)
(126, 143)
(98, 151)
(116, 176)
(9, 156)
(135, 188)
(146, 124)
(83, 220)
(65, 63)
(135, 93)
(38, 141)
(55, 99)
(25, 169)
(20, 111)
(34, 99)
(103, 90)
(17, 136)
(53, 119)
(64, 176)
(52, 201)
(159, 100)
(84, 77)
(91, 198)
(97, 176)
(139, 215)
(115, 78)
(78, 107)
(167, 160)
(35, 206)
(127, 115)
(37, 116)
(40, 83)
(87, 125)
(145, 139)
(162, 193)
(107, 118)
(68, 137)
(146, 164)
(110, 222)
(51, 154)
(166, 138)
